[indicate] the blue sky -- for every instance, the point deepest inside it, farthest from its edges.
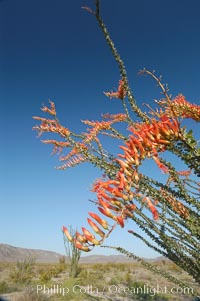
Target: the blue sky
(55, 50)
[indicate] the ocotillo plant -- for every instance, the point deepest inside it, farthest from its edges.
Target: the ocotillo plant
(73, 253)
(125, 191)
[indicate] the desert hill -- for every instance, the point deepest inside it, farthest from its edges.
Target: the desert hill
(10, 253)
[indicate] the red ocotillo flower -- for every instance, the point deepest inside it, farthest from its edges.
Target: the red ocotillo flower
(81, 238)
(152, 208)
(96, 228)
(101, 221)
(181, 107)
(51, 110)
(120, 93)
(81, 247)
(67, 234)
(185, 109)
(178, 107)
(90, 237)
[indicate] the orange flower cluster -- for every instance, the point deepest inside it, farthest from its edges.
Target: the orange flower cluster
(51, 110)
(115, 201)
(72, 162)
(50, 125)
(74, 157)
(149, 139)
(183, 108)
(75, 151)
(115, 117)
(98, 126)
(177, 206)
(115, 197)
(180, 107)
(120, 93)
(58, 145)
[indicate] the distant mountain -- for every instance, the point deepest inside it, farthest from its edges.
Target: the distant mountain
(105, 259)
(10, 253)
(115, 259)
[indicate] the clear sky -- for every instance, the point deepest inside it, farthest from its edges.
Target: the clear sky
(55, 50)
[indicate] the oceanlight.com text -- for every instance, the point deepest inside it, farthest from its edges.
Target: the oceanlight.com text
(60, 289)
